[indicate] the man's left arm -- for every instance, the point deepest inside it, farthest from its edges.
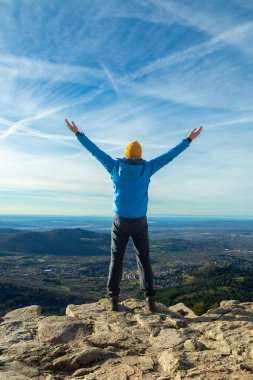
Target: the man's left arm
(160, 161)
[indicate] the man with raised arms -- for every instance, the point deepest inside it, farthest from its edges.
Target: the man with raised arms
(131, 177)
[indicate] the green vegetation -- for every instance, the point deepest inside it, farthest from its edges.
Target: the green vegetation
(202, 289)
(209, 288)
(16, 296)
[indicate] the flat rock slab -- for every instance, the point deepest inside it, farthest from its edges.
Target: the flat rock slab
(90, 309)
(61, 329)
(78, 358)
(167, 338)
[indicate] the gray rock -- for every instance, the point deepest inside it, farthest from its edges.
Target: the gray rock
(150, 322)
(24, 314)
(214, 314)
(229, 303)
(90, 309)
(78, 358)
(15, 331)
(50, 377)
(85, 371)
(11, 375)
(194, 345)
(183, 310)
(18, 371)
(167, 338)
(175, 322)
(61, 329)
(172, 362)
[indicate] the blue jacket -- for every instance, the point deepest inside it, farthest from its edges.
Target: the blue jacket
(131, 177)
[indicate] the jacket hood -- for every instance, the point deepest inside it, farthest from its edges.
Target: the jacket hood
(136, 161)
(130, 169)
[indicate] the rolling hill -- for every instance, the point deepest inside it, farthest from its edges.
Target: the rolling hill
(73, 242)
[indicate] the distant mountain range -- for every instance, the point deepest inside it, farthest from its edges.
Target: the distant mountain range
(73, 242)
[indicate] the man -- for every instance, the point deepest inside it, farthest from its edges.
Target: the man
(131, 176)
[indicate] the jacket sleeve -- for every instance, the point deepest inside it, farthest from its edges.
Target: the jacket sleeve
(160, 161)
(107, 161)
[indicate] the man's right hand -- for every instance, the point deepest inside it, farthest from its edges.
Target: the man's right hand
(72, 127)
(195, 132)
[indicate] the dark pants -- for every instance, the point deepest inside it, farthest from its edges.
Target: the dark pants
(137, 229)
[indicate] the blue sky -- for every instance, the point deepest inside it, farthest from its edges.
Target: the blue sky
(146, 70)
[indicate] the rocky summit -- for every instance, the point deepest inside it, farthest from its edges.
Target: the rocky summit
(91, 342)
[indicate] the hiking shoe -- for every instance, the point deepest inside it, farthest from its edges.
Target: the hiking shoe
(151, 304)
(114, 303)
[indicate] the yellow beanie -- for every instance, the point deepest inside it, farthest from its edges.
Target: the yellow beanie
(133, 150)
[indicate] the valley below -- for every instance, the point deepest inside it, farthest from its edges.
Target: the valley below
(198, 263)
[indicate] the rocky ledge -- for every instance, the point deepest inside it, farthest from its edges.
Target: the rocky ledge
(93, 343)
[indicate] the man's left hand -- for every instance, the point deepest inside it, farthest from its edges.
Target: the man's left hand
(72, 127)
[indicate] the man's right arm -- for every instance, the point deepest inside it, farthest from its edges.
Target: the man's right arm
(107, 161)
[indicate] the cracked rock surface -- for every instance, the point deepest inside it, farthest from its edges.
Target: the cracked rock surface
(91, 342)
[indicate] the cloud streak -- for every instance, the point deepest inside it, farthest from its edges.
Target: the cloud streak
(34, 69)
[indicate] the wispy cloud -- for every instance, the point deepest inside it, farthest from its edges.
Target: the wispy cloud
(34, 69)
(111, 79)
(45, 114)
(24, 122)
(222, 26)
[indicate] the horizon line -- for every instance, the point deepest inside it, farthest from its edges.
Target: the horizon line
(148, 216)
